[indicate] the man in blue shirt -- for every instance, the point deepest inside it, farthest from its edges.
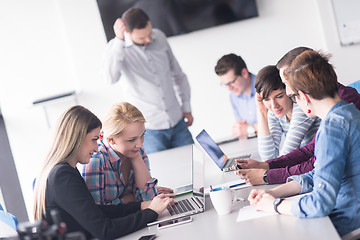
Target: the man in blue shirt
(234, 74)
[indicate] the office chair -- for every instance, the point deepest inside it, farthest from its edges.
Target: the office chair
(8, 218)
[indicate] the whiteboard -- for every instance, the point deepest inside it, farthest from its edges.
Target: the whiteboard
(347, 16)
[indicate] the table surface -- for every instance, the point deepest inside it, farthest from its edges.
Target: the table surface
(173, 169)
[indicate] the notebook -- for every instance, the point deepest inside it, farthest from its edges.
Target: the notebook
(215, 153)
(190, 199)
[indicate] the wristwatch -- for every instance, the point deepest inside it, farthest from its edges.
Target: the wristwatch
(277, 203)
(251, 131)
(265, 177)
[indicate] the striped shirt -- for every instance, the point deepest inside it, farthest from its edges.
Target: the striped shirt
(298, 132)
(106, 182)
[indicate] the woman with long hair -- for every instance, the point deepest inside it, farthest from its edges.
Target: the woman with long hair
(60, 185)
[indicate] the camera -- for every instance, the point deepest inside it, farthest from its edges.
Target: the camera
(41, 230)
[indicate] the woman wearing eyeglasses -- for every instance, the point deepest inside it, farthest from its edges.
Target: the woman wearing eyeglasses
(334, 184)
(278, 115)
(234, 74)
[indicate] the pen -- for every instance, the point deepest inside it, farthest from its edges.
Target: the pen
(238, 184)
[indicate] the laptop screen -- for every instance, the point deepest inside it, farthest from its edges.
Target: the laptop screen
(198, 179)
(193, 201)
(212, 148)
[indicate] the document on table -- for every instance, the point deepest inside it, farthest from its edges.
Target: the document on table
(249, 213)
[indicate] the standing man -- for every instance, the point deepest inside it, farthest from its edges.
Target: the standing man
(235, 76)
(155, 81)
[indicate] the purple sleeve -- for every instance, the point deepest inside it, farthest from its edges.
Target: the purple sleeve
(296, 162)
(349, 95)
(279, 175)
(294, 157)
(302, 160)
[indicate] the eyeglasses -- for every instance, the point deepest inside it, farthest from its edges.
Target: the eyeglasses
(292, 97)
(230, 83)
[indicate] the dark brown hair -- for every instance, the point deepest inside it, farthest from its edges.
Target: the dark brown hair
(312, 73)
(228, 62)
(135, 18)
(290, 56)
(267, 80)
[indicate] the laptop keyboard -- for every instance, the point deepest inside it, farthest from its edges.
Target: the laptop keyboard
(181, 206)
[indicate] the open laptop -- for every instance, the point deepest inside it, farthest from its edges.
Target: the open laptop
(215, 153)
(189, 199)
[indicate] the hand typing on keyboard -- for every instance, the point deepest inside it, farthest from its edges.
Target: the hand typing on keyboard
(159, 203)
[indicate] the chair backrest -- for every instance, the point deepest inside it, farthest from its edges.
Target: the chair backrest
(7, 232)
(8, 218)
(355, 85)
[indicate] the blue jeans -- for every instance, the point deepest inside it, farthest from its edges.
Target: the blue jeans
(158, 140)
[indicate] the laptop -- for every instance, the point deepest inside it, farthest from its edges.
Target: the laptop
(189, 199)
(215, 153)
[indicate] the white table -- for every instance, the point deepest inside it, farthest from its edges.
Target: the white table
(173, 168)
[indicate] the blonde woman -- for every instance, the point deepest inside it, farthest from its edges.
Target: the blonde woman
(60, 185)
(120, 172)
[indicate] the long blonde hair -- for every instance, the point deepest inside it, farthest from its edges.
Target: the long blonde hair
(120, 115)
(71, 130)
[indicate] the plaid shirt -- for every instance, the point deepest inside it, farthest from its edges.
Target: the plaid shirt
(106, 182)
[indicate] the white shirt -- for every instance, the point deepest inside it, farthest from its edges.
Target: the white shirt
(155, 82)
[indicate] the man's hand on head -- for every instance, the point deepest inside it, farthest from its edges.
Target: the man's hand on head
(119, 28)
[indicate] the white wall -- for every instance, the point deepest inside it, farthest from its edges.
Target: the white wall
(51, 46)
(345, 58)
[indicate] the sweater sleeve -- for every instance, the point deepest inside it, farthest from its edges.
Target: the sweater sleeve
(301, 130)
(104, 222)
(296, 162)
(269, 145)
(349, 95)
(279, 175)
(294, 157)
(302, 160)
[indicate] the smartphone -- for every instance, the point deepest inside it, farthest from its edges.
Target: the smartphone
(249, 137)
(238, 166)
(174, 222)
(148, 237)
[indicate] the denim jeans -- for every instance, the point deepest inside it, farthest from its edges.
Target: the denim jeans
(158, 140)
